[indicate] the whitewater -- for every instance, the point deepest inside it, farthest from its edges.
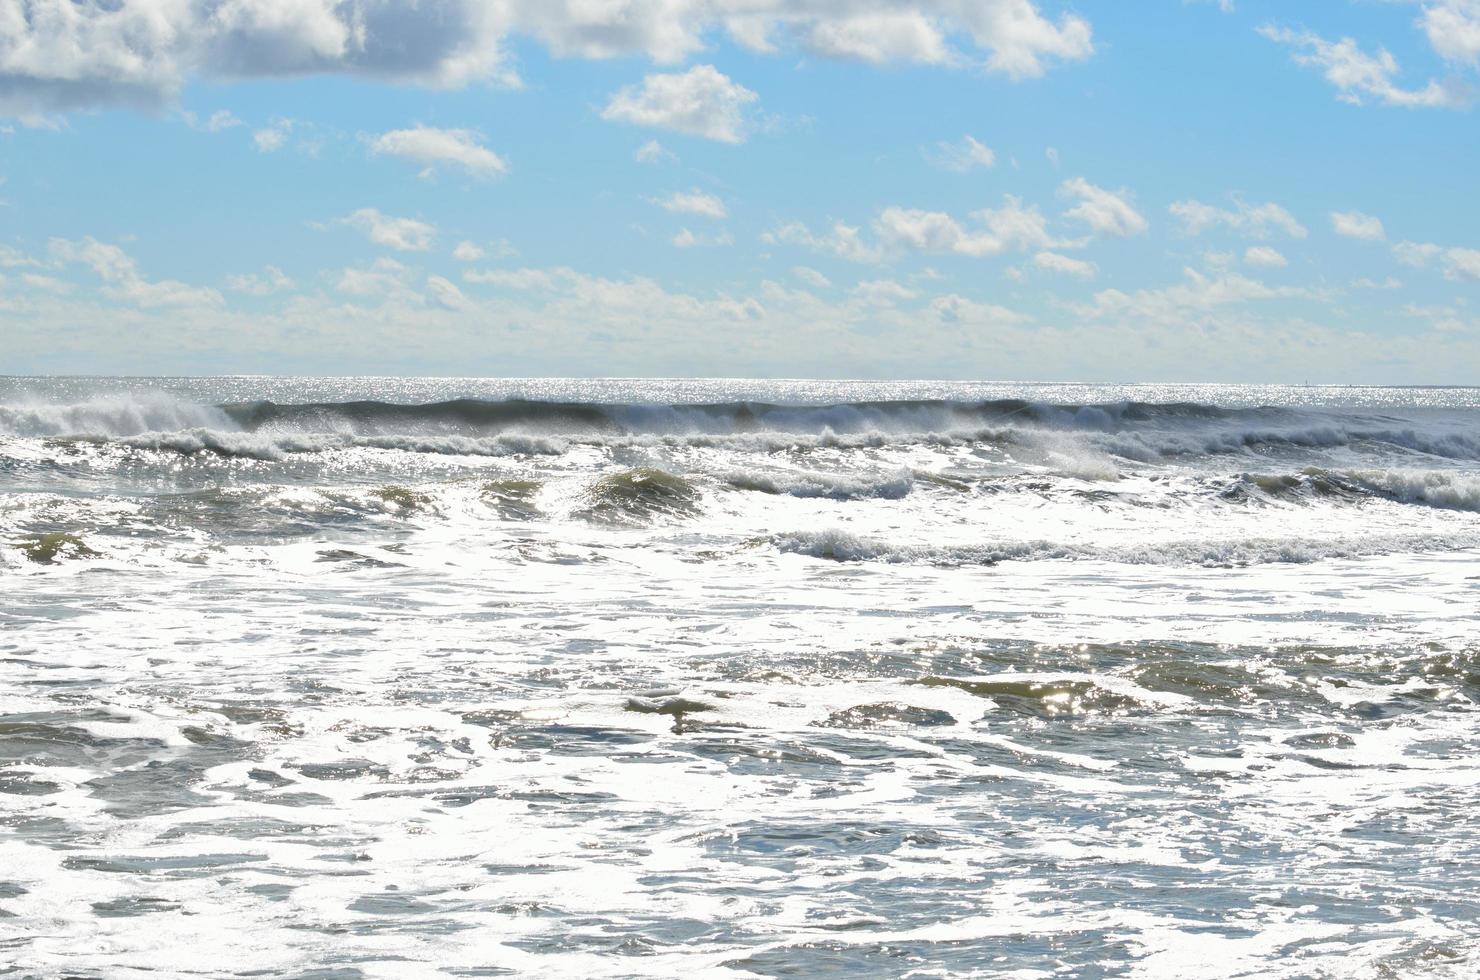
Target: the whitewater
(390, 677)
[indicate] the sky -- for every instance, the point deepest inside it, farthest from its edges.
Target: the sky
(1166, 190)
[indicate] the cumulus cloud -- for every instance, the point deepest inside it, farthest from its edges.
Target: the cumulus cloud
(653, 152)
(1453, 28)
(844, 241)
(1355, 224)
(1255, 220)
(270, 139)
(270, 280)
(1105, 212)
(880, 37)
(1195, 294)
(991, 231)
(122, 280)
(1358, 76)
(961, 157)
(442, 292)
(402, 234)
(1263, 255)
(58, 55)
(1055, 262)
(694, 202)
(811, 277)
(1459, 264)
(700, 102)
(987, 232)
(430, 147)
(688, 239)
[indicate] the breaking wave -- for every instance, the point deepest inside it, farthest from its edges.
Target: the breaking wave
(1138, 431)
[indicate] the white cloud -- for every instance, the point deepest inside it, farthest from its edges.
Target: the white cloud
(811, 277)
(59, 55)
(1357, 75)
(881, 291)
(1196, 294)
(122, 280)
(1263, 255)
(653, 152)
(270, 280)
(1106, 212)
(1253, 220)
(1054, 262)
(687, 239)
(430, 147)
(990, 231)
(842, 240)
(1390, 282)
(880, 37)
(1355, 224)
(1453, 28)
(403, 234)
(218, 121)
(467, 252)
(272, 138)
(1459, 264)
(958, 311)
(694, 202)
(701, 102)
(997, 230)
(963, 156)
(442, 292)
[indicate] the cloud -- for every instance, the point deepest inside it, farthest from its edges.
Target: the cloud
(270, 280)
(993, 232)
(1453, 29)
(272, 138)
(1054, 262)
(1459, 264)
(430, 146)
(403, 234)
(653, 152)
(1358, 75)
(881, 36)
(700, 102)
(1106, 212)
(122, 279)
(1196, 294)
(687, 239)
(958, 311)
(60, 55)
(987, 232)
(694, 202)
(218, 121)
(844, 241)
(961, 157)
(1254, 220)
(811, 277)
(1263, 255)
(442, 292)
(883, 291)
(467, 252)
(1355, 224)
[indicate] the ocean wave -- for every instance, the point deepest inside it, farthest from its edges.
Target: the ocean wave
(835, 544)
(1087, 440)
(831, 486)
(1429, 488)
(639, 494)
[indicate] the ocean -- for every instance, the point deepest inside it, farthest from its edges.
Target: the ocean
(379, 677)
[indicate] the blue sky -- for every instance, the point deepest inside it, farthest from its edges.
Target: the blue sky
(998, 189)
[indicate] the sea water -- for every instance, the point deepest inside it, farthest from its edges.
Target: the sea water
(418, 677)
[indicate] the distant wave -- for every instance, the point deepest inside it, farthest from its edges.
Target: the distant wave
(833, 544)
(1137, 431)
